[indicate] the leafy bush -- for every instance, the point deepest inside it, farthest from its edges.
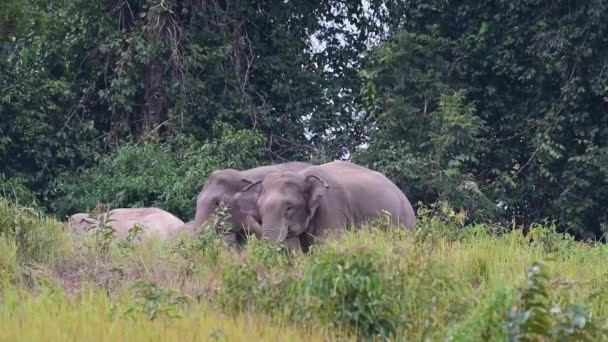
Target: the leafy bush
(207, 243)
(16, 190)
(551, 241)
(266, 253)
(258, 282)
(154, 301)
(166, 175)
(37, 237)
(536, 315)
(239, 291)
(485, 322)
(350, 288)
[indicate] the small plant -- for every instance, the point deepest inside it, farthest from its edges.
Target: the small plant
(154, 301)
(221, 219)
(9, 264)
(210, 244)
(239, 291)
(531, 315)
(16, 190)
(348, 288)
(536, 316)
(37, 237)
(485, 321)
(104, 233)
(547, 237)
(268, 253)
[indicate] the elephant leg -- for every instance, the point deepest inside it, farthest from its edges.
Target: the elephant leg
(230, 239)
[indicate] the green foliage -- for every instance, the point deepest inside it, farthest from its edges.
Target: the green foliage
(486, 321)
(536, 316)
(240, 291)
(166, 175)
(37, 237)
(374, 283)
(497, 107)
(10, 271)
(269, 254)
(547, 238)
(259, 282)
(495, 103)
(16, 190)
(155, 302)
(209, 244)
(104, 234)
(350, 288)
(80, 78)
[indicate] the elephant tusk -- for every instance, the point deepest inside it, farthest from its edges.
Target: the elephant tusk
(307, 222)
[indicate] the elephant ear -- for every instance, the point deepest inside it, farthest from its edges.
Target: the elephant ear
(246, 199)
(88, 220)
(318, 189)
(245, 182)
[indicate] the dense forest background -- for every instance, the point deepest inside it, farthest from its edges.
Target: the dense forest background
(497, 107)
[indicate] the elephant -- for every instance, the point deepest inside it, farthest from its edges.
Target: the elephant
(297, 207)
(221, 186)
(152, 221)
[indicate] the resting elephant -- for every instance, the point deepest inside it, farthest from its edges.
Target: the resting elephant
(221, 187)
(320, 200)
(152, 221)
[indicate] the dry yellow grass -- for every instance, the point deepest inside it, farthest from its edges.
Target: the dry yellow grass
(92, 317)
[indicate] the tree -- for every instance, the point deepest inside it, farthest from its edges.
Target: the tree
(535, 74)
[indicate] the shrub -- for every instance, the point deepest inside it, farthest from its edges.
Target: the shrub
(259, 282)
(485, 320)
(239, 289)
(168, 175)
(37, 237)
(536, 315)
(16, 190)
(154, 301)
(547, 238)
(207, 243)
(349, 288)
(266, 253)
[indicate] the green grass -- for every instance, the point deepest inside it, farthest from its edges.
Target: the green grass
(51, 316)
(446, 281)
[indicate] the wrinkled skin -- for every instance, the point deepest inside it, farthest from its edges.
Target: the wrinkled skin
(322, 200)
(152, 220)
(221, 187)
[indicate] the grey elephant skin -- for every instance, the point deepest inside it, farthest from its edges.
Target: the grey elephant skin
(221, 186)
(152, 221)
(321, 200)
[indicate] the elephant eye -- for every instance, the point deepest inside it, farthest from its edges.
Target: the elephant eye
(289, 210)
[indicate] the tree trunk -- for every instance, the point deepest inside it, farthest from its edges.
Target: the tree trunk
(154, 98)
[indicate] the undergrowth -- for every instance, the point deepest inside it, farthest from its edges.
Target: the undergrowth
(446, 281)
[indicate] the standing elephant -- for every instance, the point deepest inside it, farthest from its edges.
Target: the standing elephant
(152, 221)
(321, 199)
(221, 187)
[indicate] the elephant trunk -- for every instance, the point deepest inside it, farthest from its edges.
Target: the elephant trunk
(271, 233)
(252, 227)
(201, 217)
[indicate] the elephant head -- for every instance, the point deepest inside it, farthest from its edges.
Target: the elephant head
(285, 202)
(82, 222)
(218, 191)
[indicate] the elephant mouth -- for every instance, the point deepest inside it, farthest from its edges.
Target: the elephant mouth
(289, 233)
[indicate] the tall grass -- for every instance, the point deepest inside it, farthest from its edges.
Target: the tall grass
(28, 238)
(51, 316)
(446, 281)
